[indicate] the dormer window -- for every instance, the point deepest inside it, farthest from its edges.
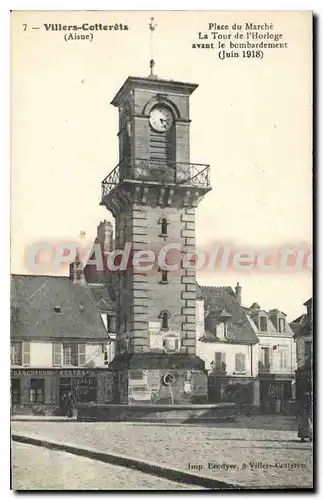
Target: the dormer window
(57, 309)
(263, 323)
(281, 325)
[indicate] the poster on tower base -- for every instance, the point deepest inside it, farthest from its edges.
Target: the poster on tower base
(161, 250)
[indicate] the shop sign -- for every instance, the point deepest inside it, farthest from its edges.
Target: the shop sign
(76, 373)
(86, 381)
(239, 381)
(32, 373)
(283, 378)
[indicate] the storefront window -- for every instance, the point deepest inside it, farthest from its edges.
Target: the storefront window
(16, 353)
(36, 392)
(86, 389)
(15, 390)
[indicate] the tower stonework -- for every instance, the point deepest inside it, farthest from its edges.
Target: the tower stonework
(153, 194)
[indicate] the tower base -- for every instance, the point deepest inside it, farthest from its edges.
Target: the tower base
(158, 379)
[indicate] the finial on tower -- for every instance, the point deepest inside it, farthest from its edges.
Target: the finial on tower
(152, 26)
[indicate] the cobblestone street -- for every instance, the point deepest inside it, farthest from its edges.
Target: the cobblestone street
(253, 458)
(41, 469)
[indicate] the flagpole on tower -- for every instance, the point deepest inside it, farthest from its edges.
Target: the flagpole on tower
(152, 26)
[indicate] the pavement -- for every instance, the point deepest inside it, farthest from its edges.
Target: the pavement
(246, 457)
(55, 470)
(275, 422)
(41, 418)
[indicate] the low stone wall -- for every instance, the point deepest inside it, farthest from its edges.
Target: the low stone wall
(36, 409)
(156, 413)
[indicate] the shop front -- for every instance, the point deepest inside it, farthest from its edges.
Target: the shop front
(276, 393)
(237, 390)
(41, 391)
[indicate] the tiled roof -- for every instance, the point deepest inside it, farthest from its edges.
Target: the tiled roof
(102, 297)
(271, 328)
(300, 319)
(54, 307)
(199, 294)
(221, 301)
(302, 326)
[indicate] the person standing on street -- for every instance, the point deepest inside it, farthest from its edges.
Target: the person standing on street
(70, 400)
(305, 425)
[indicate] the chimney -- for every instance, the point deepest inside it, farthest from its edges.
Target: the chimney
(238, 293)
(105, 236)
(77, 270)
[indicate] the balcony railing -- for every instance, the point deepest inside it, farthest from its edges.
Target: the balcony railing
(159, 171)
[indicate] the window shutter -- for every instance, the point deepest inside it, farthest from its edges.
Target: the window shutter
(218, 358)
(243, 361)
(81, 354)
(270, 357)
(26, 353)
(57, 354)
(237, 362)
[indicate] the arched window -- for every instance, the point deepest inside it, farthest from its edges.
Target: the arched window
(164, 315)
(164, 276)
(164, 321)
(163, 227)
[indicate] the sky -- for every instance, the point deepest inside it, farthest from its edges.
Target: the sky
(251, 121)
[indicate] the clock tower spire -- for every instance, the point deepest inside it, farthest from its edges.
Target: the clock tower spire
(152, 27)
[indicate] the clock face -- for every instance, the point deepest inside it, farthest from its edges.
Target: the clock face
(161, 119)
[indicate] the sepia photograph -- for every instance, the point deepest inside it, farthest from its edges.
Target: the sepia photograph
(161, 250)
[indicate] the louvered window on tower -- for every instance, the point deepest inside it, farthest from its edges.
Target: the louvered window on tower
(164, 317)
(164, 277)
(164, 227)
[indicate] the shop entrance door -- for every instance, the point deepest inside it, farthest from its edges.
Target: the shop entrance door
(65, 385)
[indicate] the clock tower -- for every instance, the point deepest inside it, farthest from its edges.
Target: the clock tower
(153, 193)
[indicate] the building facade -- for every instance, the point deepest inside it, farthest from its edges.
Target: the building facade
(227, 344)
(58, 343)
(303, 335)
(276, 359)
